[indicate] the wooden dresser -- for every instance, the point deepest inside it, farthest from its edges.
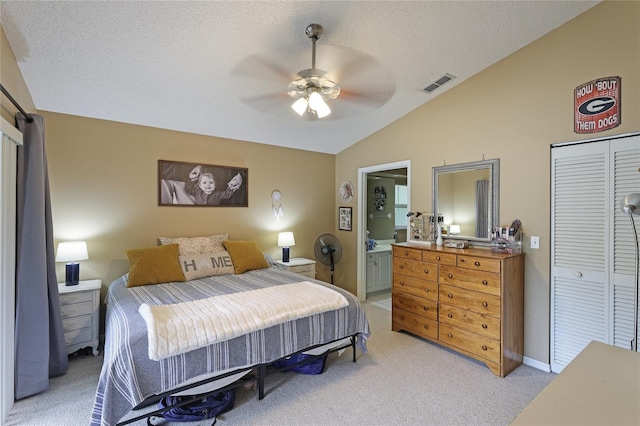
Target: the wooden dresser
(470, 300)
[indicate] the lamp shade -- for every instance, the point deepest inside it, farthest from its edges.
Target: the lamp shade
(285, 239)
(72, 251)
(454, 229)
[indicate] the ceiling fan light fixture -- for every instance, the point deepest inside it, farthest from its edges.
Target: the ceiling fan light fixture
(318, 105)
(300, 106)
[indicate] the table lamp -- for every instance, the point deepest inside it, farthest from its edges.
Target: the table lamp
(71, 252)
(286, 240)
(454, 229)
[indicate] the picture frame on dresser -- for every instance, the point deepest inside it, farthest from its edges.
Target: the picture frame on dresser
(344, 217)
(182, 184)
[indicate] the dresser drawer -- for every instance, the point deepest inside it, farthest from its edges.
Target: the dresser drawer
(77, 297)
(77, 336)
(440, 258)
(85, 308)
(484, 325)
(482, 303)
(417, 305)
(76, 323)
(416, 268)
(479, 263)
(416, 324)
(415, 286)
(485, 282)
(407, 253)
(481, 346)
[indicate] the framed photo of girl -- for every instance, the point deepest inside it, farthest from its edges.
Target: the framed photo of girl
(201, 185)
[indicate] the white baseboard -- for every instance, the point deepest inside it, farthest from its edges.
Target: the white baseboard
(536, 364)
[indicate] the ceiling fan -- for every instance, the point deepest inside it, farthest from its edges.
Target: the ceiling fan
(358, 81)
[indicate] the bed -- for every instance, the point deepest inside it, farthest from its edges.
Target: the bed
(129, 377)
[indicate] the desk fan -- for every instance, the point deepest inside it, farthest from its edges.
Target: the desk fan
(328, 251)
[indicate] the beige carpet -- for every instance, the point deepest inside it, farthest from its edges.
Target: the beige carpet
(402, 380)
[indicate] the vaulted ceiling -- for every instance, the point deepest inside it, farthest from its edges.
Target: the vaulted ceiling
(222, 68)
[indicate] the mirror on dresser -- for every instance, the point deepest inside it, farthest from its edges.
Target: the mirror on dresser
(467, 195)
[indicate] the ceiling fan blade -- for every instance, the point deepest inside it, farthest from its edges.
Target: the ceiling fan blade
(262, 67)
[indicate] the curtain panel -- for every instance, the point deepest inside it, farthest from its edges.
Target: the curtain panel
(40, 350)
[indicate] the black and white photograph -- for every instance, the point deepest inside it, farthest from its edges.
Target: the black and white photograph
(201, 185)
(344, 214)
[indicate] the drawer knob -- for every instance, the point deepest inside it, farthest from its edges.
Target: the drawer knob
(450, 296)
(462, 260)
(426, 327)
(426, 290)
(426, 308)
(449, 335)
(426, 271)
(578, 274)
(401, 266)
(476, 263)
(450, 275)
(485, 326)
(485, 304)
(401, 282)
(437, 257)
(450, 315)
(485, 282)
(406, 253)
(401, 317)
(484, 347)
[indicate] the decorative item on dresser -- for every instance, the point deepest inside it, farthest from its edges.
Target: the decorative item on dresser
(470, 300)
(80, 307)
(299, 265)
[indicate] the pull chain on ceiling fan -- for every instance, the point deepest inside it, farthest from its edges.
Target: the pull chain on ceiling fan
(311, 88)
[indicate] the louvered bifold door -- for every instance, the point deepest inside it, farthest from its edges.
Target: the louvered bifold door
(625, 158)
(579, 222)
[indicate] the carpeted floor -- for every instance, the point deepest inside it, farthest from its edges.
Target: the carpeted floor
(401, 380)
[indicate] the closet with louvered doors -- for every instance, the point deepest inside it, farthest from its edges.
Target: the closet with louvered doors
(592, 254)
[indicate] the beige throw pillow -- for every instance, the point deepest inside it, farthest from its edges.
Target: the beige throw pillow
(197, 245)
(196, 266)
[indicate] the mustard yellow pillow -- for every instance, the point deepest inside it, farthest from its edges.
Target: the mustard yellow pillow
(154, 265)
(245, 255)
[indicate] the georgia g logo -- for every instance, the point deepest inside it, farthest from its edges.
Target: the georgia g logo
(596, 105)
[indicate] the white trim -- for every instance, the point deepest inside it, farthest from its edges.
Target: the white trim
(9, 130)
(362, 217)
(536, 364)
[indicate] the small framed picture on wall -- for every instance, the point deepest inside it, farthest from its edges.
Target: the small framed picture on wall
(344, 214)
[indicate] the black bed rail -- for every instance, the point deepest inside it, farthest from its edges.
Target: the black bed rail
(262, 372)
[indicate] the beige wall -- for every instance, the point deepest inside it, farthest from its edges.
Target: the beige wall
(12, 80)
(514, 111)
(104, 189)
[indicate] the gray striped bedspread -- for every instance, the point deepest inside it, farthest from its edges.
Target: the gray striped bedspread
(128, 376)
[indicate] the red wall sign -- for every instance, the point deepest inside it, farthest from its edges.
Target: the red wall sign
(597, 105)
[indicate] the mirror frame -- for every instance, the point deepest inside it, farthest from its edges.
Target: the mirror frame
(494, 202)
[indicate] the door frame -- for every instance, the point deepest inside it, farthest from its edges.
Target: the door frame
(361, 275)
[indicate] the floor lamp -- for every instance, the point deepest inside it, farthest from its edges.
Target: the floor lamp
(631, 206)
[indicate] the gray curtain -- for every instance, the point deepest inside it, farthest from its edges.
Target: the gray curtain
(482, 209)
(39, 336)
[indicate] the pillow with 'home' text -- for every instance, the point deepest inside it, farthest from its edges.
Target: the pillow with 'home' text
(196, 266)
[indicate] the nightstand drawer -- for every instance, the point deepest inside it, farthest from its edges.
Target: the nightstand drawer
(76, 323)
(302, 268)
(81, 296)
(76, 309)
(77, 336)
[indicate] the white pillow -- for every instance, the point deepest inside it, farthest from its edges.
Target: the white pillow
(196, 266)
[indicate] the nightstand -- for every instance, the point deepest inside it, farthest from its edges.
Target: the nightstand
(300, 265)
(80, 307)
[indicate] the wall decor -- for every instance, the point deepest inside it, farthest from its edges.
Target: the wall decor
(201, 185)
(597, 105)
(346, 191)
(344, 214)
(276, 204)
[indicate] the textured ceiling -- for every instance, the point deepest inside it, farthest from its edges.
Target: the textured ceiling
(221, 68)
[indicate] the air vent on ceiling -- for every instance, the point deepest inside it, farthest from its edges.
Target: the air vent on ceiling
(439, 82)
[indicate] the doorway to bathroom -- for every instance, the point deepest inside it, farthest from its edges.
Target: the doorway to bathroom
(383, 203)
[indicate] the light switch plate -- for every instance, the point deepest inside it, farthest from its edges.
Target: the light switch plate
(535, 242)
